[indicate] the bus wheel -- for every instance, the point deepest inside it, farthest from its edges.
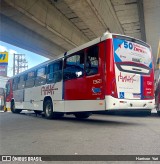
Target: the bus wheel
(82, 115)
(37, 112)
(48, 109)
(13, 108)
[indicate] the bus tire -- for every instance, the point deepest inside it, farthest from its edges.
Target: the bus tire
(13, 108)
(48, 109)
(82, 115)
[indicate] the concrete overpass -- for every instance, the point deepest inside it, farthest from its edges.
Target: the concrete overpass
(51, 27)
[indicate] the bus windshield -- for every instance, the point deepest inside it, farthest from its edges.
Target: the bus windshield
(132, 55)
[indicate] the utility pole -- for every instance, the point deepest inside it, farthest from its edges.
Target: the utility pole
(20, 63)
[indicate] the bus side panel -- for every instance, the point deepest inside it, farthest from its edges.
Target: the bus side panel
(148, 86)
(34, 97)
(18, 95)
(95, 84)
(87, 87)
(84, 105)
(110, 70)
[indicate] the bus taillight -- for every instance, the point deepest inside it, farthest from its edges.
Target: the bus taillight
(114, 89)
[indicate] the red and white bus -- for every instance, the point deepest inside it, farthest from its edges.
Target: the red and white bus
(112, 72)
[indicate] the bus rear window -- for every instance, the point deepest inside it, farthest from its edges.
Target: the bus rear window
(133, 68)
(132, 55)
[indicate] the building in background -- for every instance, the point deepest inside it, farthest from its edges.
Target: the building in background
(3, 81)
(3, 77)
(3, 63)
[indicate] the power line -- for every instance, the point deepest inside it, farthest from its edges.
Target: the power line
(20, 63)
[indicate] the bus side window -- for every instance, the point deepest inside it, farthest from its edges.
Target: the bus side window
(92, 60)
(15, 83)
(41, 76)
(30, 79)
(74, 66)
(54, 73)
(21, 83)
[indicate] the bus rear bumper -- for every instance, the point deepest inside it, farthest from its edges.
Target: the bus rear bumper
(122, 104)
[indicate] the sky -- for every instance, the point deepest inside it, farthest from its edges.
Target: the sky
(32, 58)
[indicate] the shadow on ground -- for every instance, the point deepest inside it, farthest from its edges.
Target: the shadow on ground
(90, 121)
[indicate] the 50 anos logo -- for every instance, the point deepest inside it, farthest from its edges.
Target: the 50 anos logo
(134, 47)
(128, 45)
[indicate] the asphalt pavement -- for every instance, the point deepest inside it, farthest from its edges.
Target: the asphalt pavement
(30, 134)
